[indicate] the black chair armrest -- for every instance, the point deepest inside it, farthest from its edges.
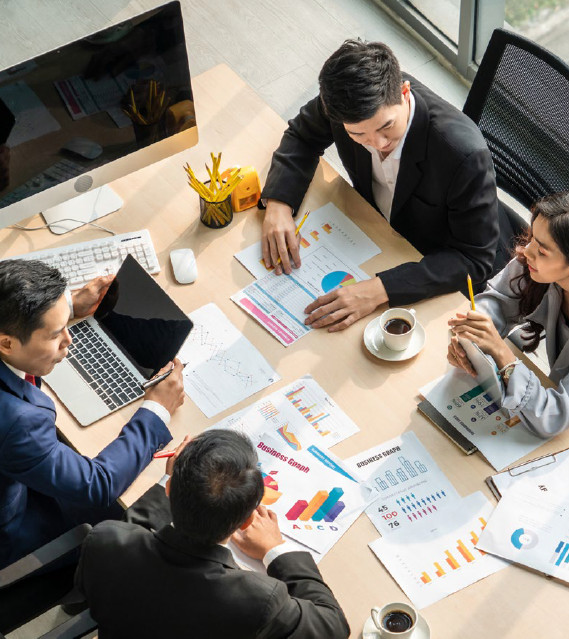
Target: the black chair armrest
(44, 556)
(77, 626)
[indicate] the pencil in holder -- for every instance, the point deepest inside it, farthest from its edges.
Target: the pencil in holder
(216, 215)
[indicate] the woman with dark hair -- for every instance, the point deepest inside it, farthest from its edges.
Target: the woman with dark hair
(533, 290)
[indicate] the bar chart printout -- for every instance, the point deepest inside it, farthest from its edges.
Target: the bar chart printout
(406, 485)
(326, 226)
(301, 413)
(439, 557)
(314, 499)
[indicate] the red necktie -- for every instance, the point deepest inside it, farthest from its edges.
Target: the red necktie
(31, 379)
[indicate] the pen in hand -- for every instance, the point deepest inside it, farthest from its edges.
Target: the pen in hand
(158, 378)
(297, 231)
(164, 454)
(470, 292)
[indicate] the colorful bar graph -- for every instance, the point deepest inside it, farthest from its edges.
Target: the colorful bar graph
(332, 499)
(315, 235)
(463, 550)
(451, 561)
(296, 510)
(291, 394)
(482, 521)
(334, 512)
(474, 538)
(425, 578)
(327, 228)
(439, 572)
(313, 505)
(304, 243)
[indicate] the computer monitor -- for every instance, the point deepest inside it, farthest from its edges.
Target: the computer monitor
(89, 112)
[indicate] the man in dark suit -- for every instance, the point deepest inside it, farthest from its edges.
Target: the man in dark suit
(422, 163)
(46, 487)
(181, 581)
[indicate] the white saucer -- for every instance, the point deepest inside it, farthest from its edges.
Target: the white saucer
(422, 630)
(374, 342)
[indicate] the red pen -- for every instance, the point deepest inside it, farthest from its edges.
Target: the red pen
(164, 454)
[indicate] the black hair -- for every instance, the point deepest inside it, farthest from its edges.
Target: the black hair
(28, 289)
(215, 486)
(555, 209)
(358, 79)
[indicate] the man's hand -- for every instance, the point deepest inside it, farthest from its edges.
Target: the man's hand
(342, 307)
(86, 299)
(170, 391)
(479, 328)
(260, 536)
(279, 237)
(172, 460)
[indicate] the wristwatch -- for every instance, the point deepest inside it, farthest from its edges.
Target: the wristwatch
(506, 372)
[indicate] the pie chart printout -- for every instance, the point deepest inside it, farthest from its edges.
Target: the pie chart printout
(336, 279)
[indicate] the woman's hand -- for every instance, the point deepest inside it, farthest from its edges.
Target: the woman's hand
(479, 328)
(457, 356)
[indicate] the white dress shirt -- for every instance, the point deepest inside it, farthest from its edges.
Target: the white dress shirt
(384, 172)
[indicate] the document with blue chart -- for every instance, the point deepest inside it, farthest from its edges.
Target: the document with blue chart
(406, 485)
(277, 302)
(530, 526)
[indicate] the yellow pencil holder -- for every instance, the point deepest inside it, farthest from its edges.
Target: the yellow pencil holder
(216, 215)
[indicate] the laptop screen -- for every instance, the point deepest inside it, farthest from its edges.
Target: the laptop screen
(141, 319)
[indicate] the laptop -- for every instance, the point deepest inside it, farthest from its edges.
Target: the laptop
(136, 329)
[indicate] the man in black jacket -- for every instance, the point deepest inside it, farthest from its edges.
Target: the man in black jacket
(181, 581)
(419, 161)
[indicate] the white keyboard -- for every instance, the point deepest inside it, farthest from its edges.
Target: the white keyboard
(83, 261)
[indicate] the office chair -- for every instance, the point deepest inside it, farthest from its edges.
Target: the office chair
(519, 101)
(25, 594)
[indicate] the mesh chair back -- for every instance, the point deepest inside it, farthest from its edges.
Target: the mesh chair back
(520, 101)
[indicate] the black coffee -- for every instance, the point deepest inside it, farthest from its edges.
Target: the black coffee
(397, 620)
(397, 326)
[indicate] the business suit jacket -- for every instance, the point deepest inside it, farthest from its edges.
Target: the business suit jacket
(45, 486)
(445, 202)
(543, 411)
(147, 584)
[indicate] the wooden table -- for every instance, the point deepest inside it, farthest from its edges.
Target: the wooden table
(380, 396)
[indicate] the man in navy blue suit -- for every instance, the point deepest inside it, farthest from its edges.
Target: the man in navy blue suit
(46, 487)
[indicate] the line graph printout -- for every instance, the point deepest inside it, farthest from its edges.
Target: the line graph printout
(407, 487)
(223, 366)
(502, 439)
(439, 556)
(300, 414)
(530, 526)
(315, 499)
(277, 302)
(327, 226)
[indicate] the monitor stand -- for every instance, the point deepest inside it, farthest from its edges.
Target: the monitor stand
(81, 209)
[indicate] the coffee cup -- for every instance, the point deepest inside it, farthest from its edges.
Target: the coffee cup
(395, 620)
(396, 328)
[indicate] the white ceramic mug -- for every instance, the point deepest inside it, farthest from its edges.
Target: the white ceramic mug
(397, 342)
(381, 616)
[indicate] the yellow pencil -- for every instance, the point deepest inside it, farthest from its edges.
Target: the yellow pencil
(471, 293)
(297, 231)
(301, 223)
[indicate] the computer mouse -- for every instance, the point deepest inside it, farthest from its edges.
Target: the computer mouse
(83, 147)
(184, 265)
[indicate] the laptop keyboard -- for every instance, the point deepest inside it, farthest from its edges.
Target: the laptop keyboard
(101, 368)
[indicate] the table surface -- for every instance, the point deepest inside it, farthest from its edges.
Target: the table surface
(380, 396)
